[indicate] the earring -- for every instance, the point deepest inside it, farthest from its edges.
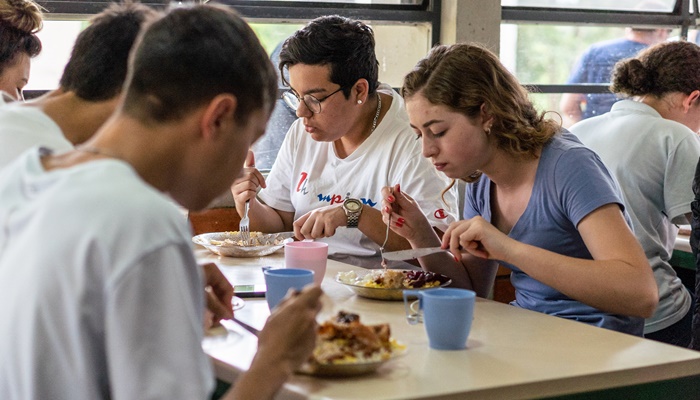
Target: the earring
(359, 101)
(487, 131)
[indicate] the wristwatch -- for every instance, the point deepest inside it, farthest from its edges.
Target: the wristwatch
(353, 209)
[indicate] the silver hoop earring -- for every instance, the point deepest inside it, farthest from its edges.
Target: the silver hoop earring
(359, 101)
(487, 131)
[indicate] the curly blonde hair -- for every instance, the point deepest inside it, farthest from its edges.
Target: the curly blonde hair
(23, 15)
(464, 77)
(20, 20)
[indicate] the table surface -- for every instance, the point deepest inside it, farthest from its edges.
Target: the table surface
(511, 353)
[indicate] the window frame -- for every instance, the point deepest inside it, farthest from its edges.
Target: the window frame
(270, 11)
(679, 17)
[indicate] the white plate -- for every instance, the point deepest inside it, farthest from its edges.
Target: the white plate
(265, 244)
(238, 303)
(348, 369)
(340, 370)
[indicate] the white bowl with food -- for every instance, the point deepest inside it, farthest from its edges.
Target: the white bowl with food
(232, 244)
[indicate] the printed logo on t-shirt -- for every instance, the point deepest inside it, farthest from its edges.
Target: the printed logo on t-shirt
(336, 199)
(327, 198)
(440, 214)
(301, 186)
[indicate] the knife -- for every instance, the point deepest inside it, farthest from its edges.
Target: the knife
(413, 253)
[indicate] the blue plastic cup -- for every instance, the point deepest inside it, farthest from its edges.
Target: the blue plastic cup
(280, 280)
(447, 314)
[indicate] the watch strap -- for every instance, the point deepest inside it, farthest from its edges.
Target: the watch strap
(353, 220)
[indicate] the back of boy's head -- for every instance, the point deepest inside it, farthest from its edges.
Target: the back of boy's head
(192, 54)
(98, 64)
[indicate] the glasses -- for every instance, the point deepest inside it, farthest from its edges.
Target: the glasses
(311, 102)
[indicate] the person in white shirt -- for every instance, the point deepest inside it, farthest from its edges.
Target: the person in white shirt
(89, 89)
(351, 139)
(100, 293)
(649, 142)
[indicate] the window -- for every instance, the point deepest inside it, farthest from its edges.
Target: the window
(543, 43)
(626, 5)
(404, 32)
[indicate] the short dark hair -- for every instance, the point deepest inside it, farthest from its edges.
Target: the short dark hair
(19, 22)
(191, 55)
(346, 45)
(98, 63)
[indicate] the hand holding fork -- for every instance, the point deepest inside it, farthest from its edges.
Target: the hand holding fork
(244, 226)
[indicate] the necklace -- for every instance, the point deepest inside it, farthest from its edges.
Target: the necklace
(97, 151)
(376, 115)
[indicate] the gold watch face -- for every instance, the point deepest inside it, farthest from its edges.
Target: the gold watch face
(353, 205)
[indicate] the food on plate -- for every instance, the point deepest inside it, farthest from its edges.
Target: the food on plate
(231, 244)
(393, 279)
(256, 239)
(346, 340)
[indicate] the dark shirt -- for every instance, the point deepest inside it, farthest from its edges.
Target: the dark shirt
(596, 65)
(695, 246)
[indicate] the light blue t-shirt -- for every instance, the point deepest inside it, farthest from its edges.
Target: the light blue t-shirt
(570, 183)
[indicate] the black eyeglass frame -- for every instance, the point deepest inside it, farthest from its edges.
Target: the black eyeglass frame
(293, 100)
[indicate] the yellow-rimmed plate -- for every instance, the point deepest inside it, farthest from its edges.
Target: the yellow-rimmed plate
(382, 293)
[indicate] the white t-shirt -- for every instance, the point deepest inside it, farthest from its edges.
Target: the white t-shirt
(308, 174)
(100, 295)
(23, 127)
(654, 161)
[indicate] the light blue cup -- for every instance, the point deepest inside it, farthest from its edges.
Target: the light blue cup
(447, 314)
(280, 280)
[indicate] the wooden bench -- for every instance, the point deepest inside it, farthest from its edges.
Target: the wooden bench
(218, 219)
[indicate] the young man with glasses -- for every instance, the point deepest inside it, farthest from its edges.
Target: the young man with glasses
(351, 139)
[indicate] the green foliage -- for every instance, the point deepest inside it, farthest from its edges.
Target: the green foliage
(547, 53)
(271, 35)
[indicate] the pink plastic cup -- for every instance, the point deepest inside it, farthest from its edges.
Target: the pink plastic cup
(307, 255)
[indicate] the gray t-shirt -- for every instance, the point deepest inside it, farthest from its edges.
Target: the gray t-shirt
(653, 159)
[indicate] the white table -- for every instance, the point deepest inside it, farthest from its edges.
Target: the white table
(512, 353)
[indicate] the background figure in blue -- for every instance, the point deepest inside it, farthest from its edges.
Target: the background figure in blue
(595, 66)
(283, 115)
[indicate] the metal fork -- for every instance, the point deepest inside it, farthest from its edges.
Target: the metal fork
(244, 226)
(386, 239)
(246, 326)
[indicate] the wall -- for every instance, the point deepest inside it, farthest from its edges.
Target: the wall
(471, 21)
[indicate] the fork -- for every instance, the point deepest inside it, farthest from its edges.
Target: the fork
(245, 326)
(386, 239)
(244, 226)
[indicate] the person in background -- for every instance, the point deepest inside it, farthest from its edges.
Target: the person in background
(111, 306)
(649, 143)
(20, 20)
(351, 138)
(282, 117)
(537, 201)
(89, 90)
(596, 64)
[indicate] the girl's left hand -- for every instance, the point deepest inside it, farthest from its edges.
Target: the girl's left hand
(477, 237)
